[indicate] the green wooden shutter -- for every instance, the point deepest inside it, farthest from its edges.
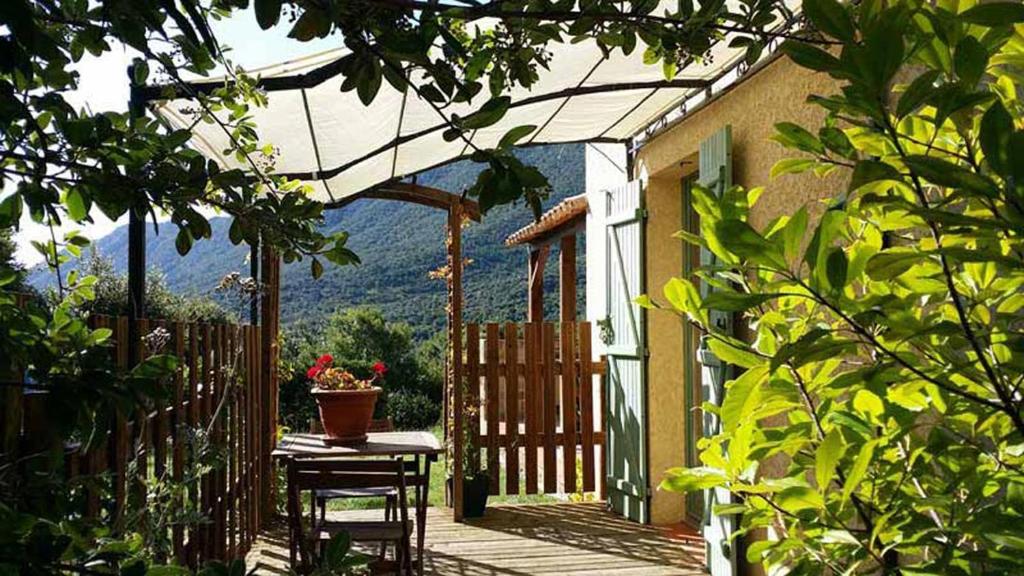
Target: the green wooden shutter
(625, 350)
(716, 175)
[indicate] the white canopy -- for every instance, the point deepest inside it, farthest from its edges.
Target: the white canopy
(329, 139)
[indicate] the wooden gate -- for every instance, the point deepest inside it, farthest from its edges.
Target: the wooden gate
(533, 404)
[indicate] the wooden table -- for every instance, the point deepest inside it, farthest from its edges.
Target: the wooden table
(377, 445)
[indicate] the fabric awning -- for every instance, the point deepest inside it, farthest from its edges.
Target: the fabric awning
(329, 139)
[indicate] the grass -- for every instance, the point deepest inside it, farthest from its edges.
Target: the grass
(437, 489)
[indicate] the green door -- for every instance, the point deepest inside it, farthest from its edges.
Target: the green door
(625, 349)
(716, 175)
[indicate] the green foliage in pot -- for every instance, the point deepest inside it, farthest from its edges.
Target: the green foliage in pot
(884, 371)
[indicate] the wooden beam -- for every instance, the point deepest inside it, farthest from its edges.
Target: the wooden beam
(455, 380)
(535, 284)
(567, 275)
(415, 194)
(269, 322)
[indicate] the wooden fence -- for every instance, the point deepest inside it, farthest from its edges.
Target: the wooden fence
(218, 390)
(534, 403)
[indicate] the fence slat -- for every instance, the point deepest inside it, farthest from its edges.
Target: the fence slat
(177, 442)
(586, 406)
(568, 357)
(532, 384)
(511, 408)
(550, 398)
(218, 422)
(122, 439)
(473, 393)
(491, 371)
(206, 537)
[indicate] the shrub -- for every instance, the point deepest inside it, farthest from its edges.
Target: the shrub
(883, 374)
(412, 411)
(111, 290)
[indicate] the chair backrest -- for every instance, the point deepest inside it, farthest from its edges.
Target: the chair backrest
(323, 474)
(381, 425)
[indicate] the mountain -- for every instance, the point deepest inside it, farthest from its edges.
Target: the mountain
(398, 243)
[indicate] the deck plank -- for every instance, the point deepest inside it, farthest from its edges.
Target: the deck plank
(522, 540)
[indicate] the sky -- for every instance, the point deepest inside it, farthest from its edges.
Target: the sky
(103, 86)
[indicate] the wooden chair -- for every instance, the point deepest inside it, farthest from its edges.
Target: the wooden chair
(313, 475)
(389, 494)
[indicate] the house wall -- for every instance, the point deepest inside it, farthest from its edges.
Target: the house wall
(775, 93)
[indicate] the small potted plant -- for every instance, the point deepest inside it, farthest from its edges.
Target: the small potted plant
(346, 402)
(476, 484)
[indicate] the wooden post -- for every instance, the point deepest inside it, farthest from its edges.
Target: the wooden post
(254, 273)
(567, 276)
(455, 380)
(270, 317)
(136, 247)
(535, 283)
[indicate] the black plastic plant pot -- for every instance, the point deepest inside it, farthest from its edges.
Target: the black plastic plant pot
(474, 495)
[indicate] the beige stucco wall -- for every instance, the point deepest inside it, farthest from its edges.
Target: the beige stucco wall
(773, 94)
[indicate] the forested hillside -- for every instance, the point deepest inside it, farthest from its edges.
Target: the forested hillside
(398, 243)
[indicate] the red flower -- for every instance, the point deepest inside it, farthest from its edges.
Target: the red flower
(314, 371)
(380, 369)
(324, 360)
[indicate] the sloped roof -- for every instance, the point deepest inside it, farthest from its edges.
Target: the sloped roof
(563, 215)
(329, 139)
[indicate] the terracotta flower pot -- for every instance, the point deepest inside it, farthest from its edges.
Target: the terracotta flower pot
(346, 414)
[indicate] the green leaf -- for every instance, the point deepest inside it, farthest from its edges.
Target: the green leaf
(836, 266)
(183, 241)
(140, 71)
(868, 171)
(996, 133)
(312, 24)
(917, 93)
(734, 355)
(827, 457)
(337, 549)
(683, 296)
(970, 60)
(515, 135)
(891, 263)
(836, 141)
(811, 57)
(859, 468)
(994, 14)
(741, 239)
(868, 403)
(77, 206)
(7, 276)
(316, 268)
(824, 235)
(798, 498)
(742, 398)
(685, 480)
(268, 12)
(793, 234)
(644, 301)
(792, 166)
(944, 173)
(368, 86)
(830, 17)
(792, 135)
(490, 113)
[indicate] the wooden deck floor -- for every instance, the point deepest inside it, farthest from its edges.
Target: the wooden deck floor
(563, 538)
